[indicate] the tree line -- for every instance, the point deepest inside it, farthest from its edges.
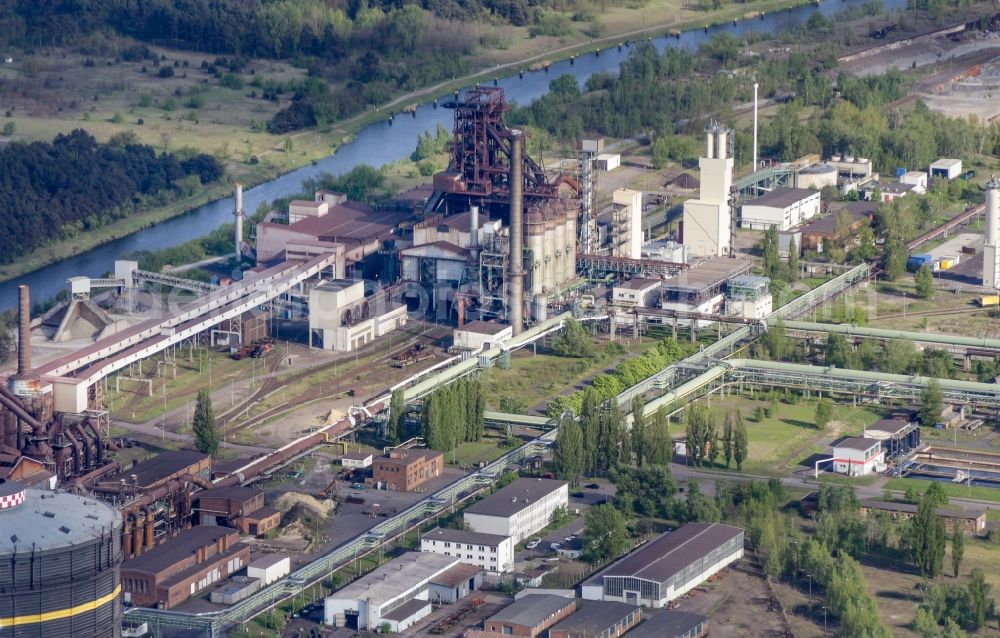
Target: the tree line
(574, 341)
(671, 94)
(453, 414)
(52, 191)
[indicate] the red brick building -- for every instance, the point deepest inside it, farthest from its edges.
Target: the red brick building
(171, 573)
(406, 470)
(239, 507)
(530, 616)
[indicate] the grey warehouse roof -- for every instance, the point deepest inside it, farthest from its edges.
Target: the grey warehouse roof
(484, 327)
(857, 443)
(909, 508)
(268, 561)
(515, 497)
(781, 197)
(463, 536)
(671, 553)
(637, 284)
(593, 617)
(50, 520)
(532, 611)
(670, 624)
(395, 577)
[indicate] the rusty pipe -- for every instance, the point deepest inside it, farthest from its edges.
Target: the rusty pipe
(127, 533)
(14, 404)
(88, 442)
(150, 527)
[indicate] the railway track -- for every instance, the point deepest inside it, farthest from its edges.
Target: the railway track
(274, 383)
(931, 313)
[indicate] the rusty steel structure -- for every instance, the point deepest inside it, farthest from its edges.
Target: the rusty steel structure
(481, 154)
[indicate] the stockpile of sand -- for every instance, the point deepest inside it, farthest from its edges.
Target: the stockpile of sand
(293, 500)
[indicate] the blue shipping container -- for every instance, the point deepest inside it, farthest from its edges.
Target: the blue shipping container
(900, 172)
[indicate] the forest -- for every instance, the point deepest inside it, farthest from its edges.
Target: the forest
(820, 111)
(51, 191)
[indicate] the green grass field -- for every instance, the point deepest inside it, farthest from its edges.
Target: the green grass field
(475, 452)
(953, 491)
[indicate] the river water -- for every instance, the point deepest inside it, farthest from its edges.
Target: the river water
(378, 144)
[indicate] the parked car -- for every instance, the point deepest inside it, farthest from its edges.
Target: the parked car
(593, 486)
(555, 546)
(533, 544)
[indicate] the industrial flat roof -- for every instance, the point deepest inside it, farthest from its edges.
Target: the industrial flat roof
(891, 426)
(895, 187)
(48, 520)
(395, 577)
(358, 456)
(410, 455)
(782, 197)
(176, 549)
(909, 508)
(593, 617)
(463, 536)
(350, 220)
(637, 284)
(261, 514)
(270, 560)
(454, 576)
(164, 464)
(709, 273)
(827, 224)
(857, 443)
(945, 163)
(336, 285)
(515, 497)
(484, 327)
(671, 553)
(407, 609)
(668, 624)
(533, 610)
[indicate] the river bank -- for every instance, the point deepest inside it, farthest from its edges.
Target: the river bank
(340, 133)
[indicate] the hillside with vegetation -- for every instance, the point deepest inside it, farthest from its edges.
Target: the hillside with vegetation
(75, 184)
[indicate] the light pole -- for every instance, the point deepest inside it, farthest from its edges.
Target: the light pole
(824, 620)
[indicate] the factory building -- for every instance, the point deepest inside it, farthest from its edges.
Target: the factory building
(839, 225)
(343, 320)
(892, 190)
(481, 335)
(598, 618)
(455, 584)
(782, 207)
(239, 507)
(672, 624)
(644, 293)
(668, 567)
(518, 510)
(492, 552)
(971, 522)
(749, 296)
(607, 161)
(171, 573)
(851, 168)
(357, 460)
(706, 228)
(700, 288)
(948, 169)
(626, 216)
(396, 593)
(917, 179)
(271, 568)
(530, 616)
(858, 456)
(900, 435)
(406, 470)
(236, 589)
(329, 225)
(60, 565)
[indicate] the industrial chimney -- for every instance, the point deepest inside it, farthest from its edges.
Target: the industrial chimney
(991, 251)
(516, 231)
(23, 332)
(238, 213)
